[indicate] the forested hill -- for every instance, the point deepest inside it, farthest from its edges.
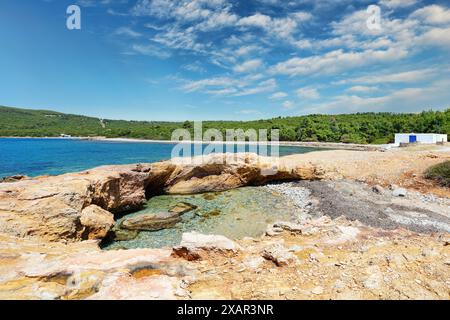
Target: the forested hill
(355, 128)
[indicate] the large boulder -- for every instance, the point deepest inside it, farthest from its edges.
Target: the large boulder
(195, 246)
(96, 221)
(151, 221)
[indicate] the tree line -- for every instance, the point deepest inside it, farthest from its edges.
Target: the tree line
(365, 128)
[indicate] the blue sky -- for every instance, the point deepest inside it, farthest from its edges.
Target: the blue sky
(224, 59)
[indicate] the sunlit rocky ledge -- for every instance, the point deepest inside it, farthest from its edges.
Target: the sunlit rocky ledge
(50, 228)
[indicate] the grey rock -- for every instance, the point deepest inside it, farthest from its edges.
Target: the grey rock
(280, 255)
(183, 207)
(253, 262)
(288, 226)
(399, 192)
(124, 235)
(151, 221)
(193, 245)
(378, 189)
(13, 178)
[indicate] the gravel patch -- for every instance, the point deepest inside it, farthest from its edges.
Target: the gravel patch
(374, 207)
(299, 196)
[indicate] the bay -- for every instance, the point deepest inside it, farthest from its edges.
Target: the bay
(53, 156)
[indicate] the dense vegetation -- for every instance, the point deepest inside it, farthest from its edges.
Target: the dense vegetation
(440, 173)
(347, 128)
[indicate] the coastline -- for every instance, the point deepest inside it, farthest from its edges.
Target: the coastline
(320, 145)
(70, 214)
(324, 145)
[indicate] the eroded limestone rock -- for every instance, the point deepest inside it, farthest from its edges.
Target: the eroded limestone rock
(151, 221)
(279, 254)
(96, 221)
(194, 245)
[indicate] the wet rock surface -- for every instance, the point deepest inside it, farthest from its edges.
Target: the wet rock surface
(226, 213)
(183, 207)
(151, 221)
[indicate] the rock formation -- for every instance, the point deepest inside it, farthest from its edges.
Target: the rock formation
(195, 246)
(43, 219)
(51, 208)
(151, 221)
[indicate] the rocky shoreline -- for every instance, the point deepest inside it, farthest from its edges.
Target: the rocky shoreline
(354, 236)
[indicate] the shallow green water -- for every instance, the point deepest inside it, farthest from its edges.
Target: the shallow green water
(235, 214)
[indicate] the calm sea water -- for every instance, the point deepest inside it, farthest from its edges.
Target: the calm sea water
(34, 157)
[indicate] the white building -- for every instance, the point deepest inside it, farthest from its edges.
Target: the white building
(426, 138)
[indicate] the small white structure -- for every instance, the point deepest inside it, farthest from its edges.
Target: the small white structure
(426, 138)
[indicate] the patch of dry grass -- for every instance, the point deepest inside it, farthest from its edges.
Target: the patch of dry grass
(440, 173)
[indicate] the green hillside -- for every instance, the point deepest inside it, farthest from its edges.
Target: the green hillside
(347, 128)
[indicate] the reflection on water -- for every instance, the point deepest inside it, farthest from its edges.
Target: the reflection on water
(235, 214)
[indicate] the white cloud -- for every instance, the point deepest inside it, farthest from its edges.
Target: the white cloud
(247, 66)
(278, 95)
(94, 3)
(412, 99)
(248, 49)
(278, 27)
(229, 86)
(209, 14)
(398, 3)
(194, 67)
(433, 14)
(288, 105)
(362, 89)
(438, 37)
(336, 61)
(151, 50)
(186, 10)
(397, 77)
(126, 31)
(197, 85)
(177, 38)
(222, 92)
(302, 16)
(248, 111)
(308, 93)
(338, 47)
(218, 20)
(264, 86)
(256, 20)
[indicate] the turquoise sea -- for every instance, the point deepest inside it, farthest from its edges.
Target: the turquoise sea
(34, 157)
